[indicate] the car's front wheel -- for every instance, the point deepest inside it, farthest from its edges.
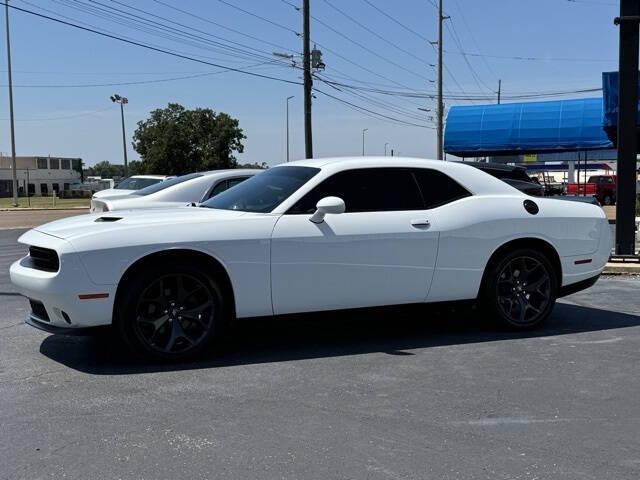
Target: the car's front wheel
(520, 289)
(171, 313)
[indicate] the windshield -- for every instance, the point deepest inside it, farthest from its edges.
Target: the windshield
(166, 184)
(264, 192)
(133, 183)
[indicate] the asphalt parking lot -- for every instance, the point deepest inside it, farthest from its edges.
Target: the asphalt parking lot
(402, 393)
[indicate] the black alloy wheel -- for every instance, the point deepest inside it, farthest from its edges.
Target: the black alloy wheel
(522, 289)
(173, 313)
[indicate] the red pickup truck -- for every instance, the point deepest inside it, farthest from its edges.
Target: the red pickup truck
(603, 187)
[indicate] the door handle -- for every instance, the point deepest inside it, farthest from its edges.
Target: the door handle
(420, 223)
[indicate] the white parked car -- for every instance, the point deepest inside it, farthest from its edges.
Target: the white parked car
(131, 184)
(308, 236)
(176, 192)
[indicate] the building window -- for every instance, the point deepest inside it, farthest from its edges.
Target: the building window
(55, 188)
(32, 189)
(54, 163)
(42, 164)
(65, 164)
(44, 190)
(66, 186)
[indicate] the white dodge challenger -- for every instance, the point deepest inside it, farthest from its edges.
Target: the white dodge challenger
(307, 236)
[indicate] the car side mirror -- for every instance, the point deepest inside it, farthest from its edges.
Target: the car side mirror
(326, 205)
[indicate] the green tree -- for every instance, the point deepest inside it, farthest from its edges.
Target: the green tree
(175, 141)
(105, 169)
(136, 167)
(262, 165)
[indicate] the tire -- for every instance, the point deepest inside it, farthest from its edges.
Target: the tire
(521, 278)
(607, 200)
(171, 312)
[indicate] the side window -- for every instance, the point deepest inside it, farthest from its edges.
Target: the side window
(232, 182)
(366, 190)
(219, 188)
(437, 188)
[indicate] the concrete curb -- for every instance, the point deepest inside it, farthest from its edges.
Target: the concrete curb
(622, 268)
(40, 209)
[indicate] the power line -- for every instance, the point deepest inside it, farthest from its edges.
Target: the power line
(348, 60)
(65, 117)
(172, 30)
(362, 109)
(367, 49)
(473, 39)
(372, 32)
(206, 20)
(149, 47)
(456, 38)
(413, 114)
(135, 82)
(396, 21)
(279, 25)
(122, 22)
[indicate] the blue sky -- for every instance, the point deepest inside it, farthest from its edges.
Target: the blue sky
(571, 43)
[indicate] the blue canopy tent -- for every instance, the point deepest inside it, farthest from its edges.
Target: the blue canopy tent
(532, 127)
(610, 102)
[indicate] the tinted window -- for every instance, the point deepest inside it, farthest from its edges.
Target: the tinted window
(156, 187)
(42, 163)
(263, 192)
(366, 190)
(219, 188)
(438, 188)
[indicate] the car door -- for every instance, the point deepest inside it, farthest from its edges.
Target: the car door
(381, 251)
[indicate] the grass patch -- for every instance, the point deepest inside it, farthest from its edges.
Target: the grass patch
(45, 202)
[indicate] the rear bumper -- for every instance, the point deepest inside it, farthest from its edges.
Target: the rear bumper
(578, 286)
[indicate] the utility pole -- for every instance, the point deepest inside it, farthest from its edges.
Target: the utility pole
(627, 120)
(13, 136)
(363, 130)
(499, 90)
(306, 60)
(122, 101)
(288, 98)
(440, 112)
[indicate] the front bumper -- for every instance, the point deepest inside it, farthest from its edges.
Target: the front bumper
(60, 292)
(35, 322)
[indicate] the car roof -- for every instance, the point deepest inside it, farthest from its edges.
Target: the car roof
(150, 176)
(474, 179)
(356, 161)
(239, 171)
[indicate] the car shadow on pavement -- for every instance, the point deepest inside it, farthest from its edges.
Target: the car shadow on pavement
(390, 330)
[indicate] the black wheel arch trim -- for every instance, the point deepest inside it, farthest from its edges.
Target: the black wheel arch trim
(526, 242)
(219, 270)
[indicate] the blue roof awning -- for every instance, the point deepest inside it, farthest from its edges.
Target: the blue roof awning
(531, 127)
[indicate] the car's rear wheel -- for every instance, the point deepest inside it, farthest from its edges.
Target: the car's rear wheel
(520, 289)
(171, 313)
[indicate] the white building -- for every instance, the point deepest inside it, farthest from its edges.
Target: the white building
(41, 175)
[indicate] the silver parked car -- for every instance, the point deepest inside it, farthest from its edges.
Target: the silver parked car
(176, 192)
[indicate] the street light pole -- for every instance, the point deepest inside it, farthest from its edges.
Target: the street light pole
(363, 130)
(385, 148)
(122, 101)
(288, 98)
(13, 137)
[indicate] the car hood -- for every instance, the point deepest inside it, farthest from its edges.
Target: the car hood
(110, 222)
